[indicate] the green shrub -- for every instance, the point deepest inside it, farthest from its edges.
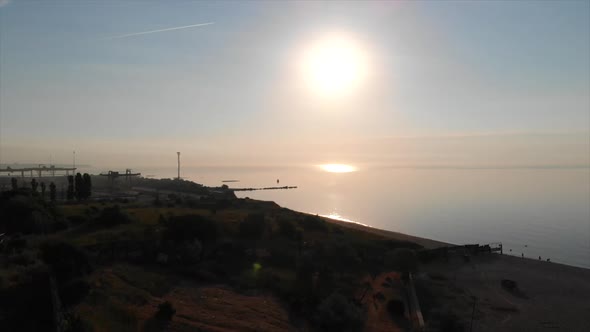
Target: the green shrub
(402, 260)
(66, 260)
(187, 228)
(60, 225)
(314, 223)
(74, 323)
(112, 216)
(336, 313)
(77, 220)
(190, 252)
(72, 292)
(253, 226)
(287, 229)
(22, 213)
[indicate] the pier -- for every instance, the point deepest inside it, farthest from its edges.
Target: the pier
(265, 188)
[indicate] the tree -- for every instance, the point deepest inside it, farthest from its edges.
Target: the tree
(87, 185)
(52, 191)
(43, 189)
(34, 185)
(14, 184)
(79, 186)
(70, 192)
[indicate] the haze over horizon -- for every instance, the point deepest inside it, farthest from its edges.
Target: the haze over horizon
(390, 83)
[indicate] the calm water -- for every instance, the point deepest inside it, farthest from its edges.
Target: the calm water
(537, 212)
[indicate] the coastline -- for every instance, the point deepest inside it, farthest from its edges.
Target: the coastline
(475, 285)
(426, 243)
(433, 244)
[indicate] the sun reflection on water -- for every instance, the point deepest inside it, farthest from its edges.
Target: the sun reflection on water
(338, 168)
(336, 216)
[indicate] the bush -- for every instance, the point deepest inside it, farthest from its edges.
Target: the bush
(73, 323)
(112, 216)
(338, 254)
(190, 252)
(72, 292)
(23, 259)
(165, 311)
(402, 260)
(450, 322)
(287, 229)
(77, 220)
(282, 257)
(60, 225)
(182, 229)
(314, 223)
(66, 260)
(21, 213)
(336, 313)
(253, 226)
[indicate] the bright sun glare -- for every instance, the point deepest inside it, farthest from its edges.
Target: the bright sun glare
(334, 66)
(338, 168)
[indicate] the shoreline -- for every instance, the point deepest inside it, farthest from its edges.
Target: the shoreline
(429, 243)
(426, 243)
(433, 244)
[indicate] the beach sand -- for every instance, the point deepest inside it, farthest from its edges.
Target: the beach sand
(550, 296)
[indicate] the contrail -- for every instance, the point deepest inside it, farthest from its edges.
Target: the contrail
(160, 30)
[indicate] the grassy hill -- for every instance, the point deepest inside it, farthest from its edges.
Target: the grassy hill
(178, 264)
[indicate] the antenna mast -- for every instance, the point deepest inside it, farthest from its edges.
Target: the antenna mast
(178, 153)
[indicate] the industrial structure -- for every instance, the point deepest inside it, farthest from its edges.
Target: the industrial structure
(112, 175)
(38, 171)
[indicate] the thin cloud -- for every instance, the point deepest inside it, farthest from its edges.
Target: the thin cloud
(4, 2)
(159, 30)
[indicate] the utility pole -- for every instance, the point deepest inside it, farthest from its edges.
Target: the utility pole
(74, 153)
(178, 153)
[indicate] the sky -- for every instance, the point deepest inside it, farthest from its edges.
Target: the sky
(492, 83)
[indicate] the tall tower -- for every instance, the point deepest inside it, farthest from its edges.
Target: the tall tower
(178, 153)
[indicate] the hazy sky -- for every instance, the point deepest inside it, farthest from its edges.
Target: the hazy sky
(453, 83)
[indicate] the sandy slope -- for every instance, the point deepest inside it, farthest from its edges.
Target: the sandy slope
(550, 297)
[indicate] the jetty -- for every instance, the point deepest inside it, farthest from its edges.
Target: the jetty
(265, 188)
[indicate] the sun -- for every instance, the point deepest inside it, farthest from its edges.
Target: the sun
(334, 66)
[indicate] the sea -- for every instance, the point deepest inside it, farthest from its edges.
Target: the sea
(534, 212)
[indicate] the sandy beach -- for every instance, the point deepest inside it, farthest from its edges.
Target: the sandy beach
(549, 296)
